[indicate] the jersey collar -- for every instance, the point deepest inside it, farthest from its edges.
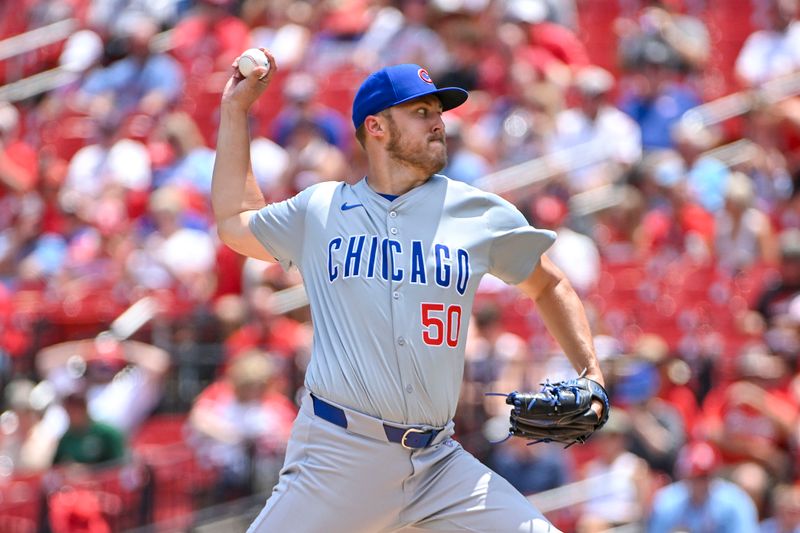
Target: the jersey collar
(367, 193)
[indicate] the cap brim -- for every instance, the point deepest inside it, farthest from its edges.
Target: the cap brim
(451, 97)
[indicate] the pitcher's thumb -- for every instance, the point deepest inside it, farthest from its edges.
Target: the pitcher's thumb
(260, 73)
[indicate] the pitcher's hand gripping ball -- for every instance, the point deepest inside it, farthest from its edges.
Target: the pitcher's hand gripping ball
(559, 412)
(250, 59)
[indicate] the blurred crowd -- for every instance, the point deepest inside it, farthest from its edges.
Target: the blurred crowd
(679, 226)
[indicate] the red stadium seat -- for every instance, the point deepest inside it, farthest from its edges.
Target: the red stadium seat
(337, 89)
(179, 479)
(161, 429)
(729, 23)
(114, 495)
(16, 524)
(20, 498)
(67, 133)
(595, 28)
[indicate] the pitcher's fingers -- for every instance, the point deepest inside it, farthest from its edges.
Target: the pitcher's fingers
(235, 66)
(262, 73)
(273, 65)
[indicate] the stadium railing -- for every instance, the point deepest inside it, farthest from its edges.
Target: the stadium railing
(37, 38)
(50, 79)
(538, 171)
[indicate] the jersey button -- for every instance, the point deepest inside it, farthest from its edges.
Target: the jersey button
(393, 231)
(401, 341)
(396, 295)
(409, 389)
(393, 214)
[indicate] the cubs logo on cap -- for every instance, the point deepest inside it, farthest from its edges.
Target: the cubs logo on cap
(397, 84)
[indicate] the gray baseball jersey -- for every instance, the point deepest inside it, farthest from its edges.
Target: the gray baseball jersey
(391, 286)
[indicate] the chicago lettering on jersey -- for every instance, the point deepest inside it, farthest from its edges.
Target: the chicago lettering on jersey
(371, 257)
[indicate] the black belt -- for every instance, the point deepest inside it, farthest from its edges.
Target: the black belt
(410, 438)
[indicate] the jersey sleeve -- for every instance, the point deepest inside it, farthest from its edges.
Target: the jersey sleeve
(280, 226)
(516, 245)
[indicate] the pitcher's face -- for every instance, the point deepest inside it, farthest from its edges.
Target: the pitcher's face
(417, 135)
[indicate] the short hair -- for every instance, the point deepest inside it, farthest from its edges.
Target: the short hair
(739, 189)
(253, 367)
(789, 241)
(361, 136)
(361, 132)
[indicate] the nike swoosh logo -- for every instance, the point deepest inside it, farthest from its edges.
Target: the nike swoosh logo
(345, 206)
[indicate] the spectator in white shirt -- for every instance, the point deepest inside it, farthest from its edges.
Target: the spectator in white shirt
(177, 255)
(772, 52)
(110, 160)
(605, 140)
(575, 253)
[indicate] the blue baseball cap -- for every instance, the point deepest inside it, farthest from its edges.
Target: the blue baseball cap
(397, 84)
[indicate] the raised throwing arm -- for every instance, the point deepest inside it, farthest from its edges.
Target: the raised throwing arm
(235, 195)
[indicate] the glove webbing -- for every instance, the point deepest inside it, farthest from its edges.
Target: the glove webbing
(552, 399)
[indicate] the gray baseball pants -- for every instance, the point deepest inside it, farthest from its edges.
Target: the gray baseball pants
(353, 480)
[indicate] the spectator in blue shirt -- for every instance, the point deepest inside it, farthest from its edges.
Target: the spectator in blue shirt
(531, 469)
(657, 102)
(786, 505)
(701, 501)
(193, 161)
(143, 80)
(302, 105)
(464, 163)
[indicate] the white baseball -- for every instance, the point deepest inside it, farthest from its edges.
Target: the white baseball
(250, 59)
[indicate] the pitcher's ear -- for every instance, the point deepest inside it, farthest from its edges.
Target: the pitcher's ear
(373, 125)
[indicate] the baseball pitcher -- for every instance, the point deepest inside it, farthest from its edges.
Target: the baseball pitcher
(391, 266)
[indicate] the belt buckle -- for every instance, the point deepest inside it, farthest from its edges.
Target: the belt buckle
(405, 435)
